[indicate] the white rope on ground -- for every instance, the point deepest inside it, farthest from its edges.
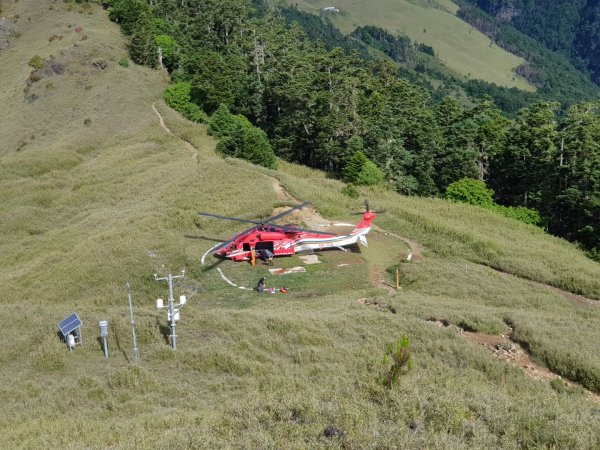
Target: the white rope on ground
(221, 272)
(231, 282)
(207, 252)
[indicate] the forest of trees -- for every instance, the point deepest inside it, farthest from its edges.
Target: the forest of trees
(266, 87)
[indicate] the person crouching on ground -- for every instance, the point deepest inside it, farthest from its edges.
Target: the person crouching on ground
(260, 287)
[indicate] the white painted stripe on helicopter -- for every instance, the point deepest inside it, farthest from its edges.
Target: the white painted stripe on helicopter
(336, 224)
(333, 239)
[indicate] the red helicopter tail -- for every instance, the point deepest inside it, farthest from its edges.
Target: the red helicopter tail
(366, 222)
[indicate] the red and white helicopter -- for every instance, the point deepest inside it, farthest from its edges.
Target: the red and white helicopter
(285, 240)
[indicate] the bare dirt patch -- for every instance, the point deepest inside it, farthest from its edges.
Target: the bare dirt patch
(377, 304)
(505, 349)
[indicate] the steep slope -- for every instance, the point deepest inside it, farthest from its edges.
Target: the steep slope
(462, 48)
(87, 207)
(570, 27)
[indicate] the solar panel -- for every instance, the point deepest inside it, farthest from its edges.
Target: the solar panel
(69, 324)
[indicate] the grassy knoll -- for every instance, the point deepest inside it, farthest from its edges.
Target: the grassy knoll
(461, 47)
(84, 208)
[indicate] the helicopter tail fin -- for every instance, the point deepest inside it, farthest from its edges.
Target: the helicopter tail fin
(363, 240)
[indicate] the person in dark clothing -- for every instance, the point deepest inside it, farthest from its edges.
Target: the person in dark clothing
(268, 256)
(260, 287)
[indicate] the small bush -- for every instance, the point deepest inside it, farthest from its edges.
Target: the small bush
(520, 213)
(361, 171)
(87, 121)
(36, 62)
(370, 175)
(396, 362)
(350, 191)
(594, 254)
(248, 142)
(475, 192)
(178, 97)
(124, 62)
(471, 191)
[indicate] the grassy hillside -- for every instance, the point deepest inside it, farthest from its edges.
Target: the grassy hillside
(461, 47)
(86, 206)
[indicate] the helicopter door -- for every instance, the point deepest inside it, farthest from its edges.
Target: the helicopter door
(265, 245)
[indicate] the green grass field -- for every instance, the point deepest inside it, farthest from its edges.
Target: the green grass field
(86, 208)
(457, 44)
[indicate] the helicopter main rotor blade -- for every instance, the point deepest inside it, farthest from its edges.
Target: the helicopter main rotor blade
(285, 213)
(216, 216)
(232, 239)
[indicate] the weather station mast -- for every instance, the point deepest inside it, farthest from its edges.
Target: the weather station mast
(172, 309)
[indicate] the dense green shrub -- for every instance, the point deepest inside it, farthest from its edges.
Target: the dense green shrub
(471, 191)
(241, 139)
(169, 49)
(248, 142)
(354, 166)
(521, 213)
(128, 13)
(178, 97)
(370, 175)
(361, 171)
(223, 123)
(475, 192)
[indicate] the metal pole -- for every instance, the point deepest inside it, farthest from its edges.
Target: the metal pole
(171, 305)
(172, 312)
(135, 349)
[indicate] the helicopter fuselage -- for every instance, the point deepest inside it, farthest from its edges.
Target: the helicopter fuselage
(283, 242)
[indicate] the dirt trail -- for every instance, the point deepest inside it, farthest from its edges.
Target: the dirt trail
(507, 350)
(416, 249)
(189, 146)
(308, 215)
